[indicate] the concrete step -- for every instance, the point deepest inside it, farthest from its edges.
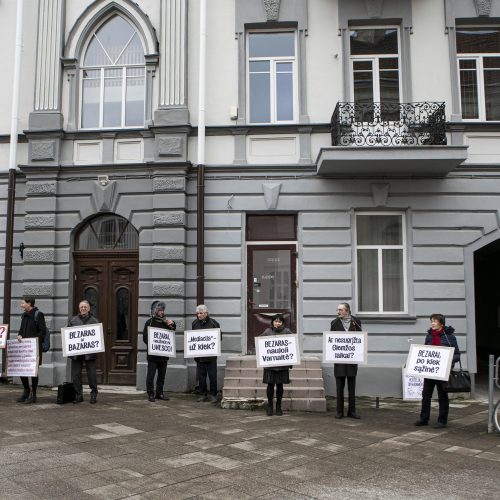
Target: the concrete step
(260, 392)
(296, 372)
(288, 404)
(251, 362)
(257, 381)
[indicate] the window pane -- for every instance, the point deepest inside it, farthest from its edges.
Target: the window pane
(91, 90)
(363, 81)
(134, 103)
(95, 55)
(492, 87)
(91, 296)
(379, 230)
(392, 280)
(122, 314)
(114, 36)
(112, 99)
(389, 94)
(134, 53)
(271, 44)
(284, 91)
(478, 40)
(260, 98)
(271, 279)
(374, 41)
(368, 280)
(468, 89)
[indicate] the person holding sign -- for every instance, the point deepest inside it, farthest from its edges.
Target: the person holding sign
(439, 335)
(32, 325)
(348, 323)
(156, 363)
(206, 366)
(276, 375)
(84, 318)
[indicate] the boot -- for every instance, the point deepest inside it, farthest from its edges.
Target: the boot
(279, 411)
(269, 409)
(23, 397)
(163, 397)
(31, 398)
(93, 398)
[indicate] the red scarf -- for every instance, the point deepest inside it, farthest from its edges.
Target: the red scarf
(436, 336)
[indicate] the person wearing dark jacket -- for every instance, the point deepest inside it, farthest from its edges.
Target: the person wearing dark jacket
(32, 326)
(84, 318)
(206, 366)
(348, 323)
(276, 375)
(156, 363)
(439, 335)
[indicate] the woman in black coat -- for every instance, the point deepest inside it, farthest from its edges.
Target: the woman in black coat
(348, 323)
(276, 375)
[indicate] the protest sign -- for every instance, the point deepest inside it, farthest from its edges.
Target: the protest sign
(277, 350)
(4, 334)
(202, 343)
(345, 347)
(82, 339)
(22, 357)
(412, 387)
(429, 361)
(161, 342)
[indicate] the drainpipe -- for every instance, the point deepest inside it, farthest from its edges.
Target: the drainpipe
(11, 196)
(200, 211)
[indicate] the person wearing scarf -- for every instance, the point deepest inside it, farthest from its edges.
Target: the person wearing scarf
(439, 335)
(156, 363)
(345, 322)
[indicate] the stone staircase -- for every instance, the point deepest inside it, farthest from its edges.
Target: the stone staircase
(243, 387)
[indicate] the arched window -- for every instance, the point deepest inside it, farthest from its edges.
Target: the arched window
(113, 77)
(107, 232)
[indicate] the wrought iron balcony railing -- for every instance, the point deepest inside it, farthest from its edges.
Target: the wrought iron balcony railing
(389, 124)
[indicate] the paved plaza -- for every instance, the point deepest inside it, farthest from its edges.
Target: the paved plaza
(127, 447)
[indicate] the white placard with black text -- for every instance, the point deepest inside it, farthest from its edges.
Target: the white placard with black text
(412, 387)
(202, 343)
(82, 339)
(345, 347)
(4, 335)
(277, 350)
(22, 357)
(161, 342)
(429, 361)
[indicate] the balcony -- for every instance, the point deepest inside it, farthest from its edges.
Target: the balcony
(377, 139)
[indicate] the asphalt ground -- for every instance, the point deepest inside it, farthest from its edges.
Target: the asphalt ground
(127, 447)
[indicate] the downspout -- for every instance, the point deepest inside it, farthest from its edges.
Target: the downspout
(200, 211)
(11, 190)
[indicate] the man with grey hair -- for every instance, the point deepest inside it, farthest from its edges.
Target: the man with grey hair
(206, 366)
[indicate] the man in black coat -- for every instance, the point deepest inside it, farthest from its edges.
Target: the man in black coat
(32, 326)
(84, 318)
(345, 322)
(206, 366)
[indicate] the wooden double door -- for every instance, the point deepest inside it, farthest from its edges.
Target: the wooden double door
(109, 281)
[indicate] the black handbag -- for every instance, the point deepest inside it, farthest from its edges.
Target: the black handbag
(65, 393)
(459, 381)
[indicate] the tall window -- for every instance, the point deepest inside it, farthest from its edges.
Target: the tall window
(113, 77)
(272, 77)
(381, 262)
(478, 51)
(375, 68)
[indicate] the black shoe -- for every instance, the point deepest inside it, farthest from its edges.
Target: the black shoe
(420, 423)
(151, 398)
(93, 398)
(279, 411)
(353, 414)
(440, 425)
(162, 396)
(78, 399)
(202, 399)
(31, 399)
(269, 409)
(339, 415)
(23, 397)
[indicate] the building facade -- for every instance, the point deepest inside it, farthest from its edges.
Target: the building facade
(352, 154)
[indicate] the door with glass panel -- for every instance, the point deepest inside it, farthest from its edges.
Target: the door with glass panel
(271, 288)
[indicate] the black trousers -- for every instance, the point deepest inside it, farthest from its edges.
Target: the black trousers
(153, 367)
(76, 375)
(207, 369)
(444, 402)
(26, 384)
(351, 389)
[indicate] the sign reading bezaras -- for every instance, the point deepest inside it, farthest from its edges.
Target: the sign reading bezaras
(430, 361)
(277, 350)
(161, 342)
(82, 339)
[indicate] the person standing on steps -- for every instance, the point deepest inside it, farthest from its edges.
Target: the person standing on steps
(156, 364)
(84, 318)
(32, 326)
(348, 323)
(276, 375)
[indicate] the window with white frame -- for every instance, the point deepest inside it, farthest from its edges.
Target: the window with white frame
(113, 77)
(272, 77)
(381, 262)
(478, 52)
(375, 68)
